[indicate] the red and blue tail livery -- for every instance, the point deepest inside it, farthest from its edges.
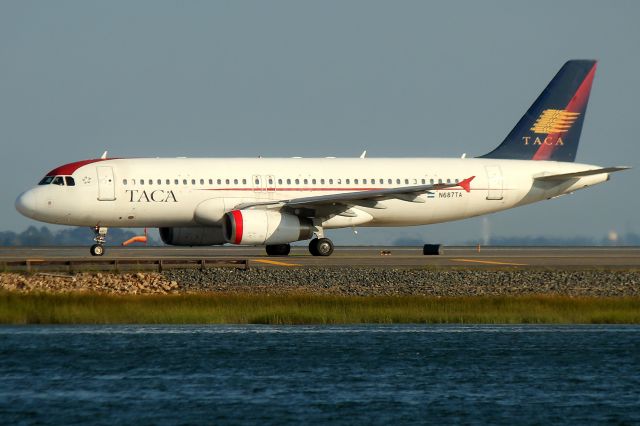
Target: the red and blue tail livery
(550, 130)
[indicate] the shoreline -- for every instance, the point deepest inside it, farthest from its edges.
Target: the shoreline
(330, 296)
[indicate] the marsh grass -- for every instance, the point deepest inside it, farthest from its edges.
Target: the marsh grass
(74, 308)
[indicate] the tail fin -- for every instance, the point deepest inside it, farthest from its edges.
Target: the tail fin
(550, 130)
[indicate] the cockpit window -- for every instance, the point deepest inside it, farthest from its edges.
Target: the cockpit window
(69, 180)
(58, 180)
(46, 180)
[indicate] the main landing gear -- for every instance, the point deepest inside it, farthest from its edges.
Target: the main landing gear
(101, 237)
(321, 247)
(317, 247)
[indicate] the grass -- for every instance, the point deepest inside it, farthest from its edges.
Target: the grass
(47, 308)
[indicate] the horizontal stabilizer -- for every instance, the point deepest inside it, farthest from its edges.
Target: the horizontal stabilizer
(564, 176)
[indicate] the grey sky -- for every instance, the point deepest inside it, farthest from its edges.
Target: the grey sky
(286, 78)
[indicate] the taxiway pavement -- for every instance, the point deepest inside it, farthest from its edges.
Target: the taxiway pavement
(384, 257)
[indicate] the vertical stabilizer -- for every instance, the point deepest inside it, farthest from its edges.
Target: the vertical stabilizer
(550, 130)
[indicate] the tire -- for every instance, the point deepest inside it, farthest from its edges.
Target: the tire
(432, 250)
(313, 247)
(96, 250)
(324, 247)
(278, 249)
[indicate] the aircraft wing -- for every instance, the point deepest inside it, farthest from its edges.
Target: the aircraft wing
(368, 197)
(564, 176)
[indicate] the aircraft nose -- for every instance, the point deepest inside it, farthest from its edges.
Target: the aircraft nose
(26, 203)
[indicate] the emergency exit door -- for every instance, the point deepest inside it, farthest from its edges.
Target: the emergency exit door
(494, 183)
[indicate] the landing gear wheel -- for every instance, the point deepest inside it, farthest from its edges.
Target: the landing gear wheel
(313, 247)
(97, 250)
(278, 249)
(321, 247)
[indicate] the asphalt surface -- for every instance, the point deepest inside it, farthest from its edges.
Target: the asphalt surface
(385, 257)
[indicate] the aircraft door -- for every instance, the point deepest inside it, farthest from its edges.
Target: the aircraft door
(106, 184)
(494, 183)
(256, 180)
(269, 183)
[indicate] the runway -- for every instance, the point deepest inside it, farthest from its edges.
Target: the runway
(384, 257)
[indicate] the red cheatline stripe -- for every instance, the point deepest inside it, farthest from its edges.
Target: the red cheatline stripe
(237, 219)
(334, 189)
(576, 104)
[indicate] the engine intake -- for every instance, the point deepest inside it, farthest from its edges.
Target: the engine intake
(259, 227)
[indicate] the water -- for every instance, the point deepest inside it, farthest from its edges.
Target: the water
(341, 375)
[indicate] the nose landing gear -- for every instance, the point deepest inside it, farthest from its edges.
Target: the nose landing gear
(101, 238)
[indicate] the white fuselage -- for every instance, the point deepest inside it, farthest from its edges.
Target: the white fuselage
(166, 192)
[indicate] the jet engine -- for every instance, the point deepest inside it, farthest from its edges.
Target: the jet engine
(261, 227)
(196, 236)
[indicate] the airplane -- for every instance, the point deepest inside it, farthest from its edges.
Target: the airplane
(273, 202)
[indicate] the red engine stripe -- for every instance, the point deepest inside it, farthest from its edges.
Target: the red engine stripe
(237, 219)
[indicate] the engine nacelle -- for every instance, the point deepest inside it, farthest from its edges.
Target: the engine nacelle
(197, 236)
(260, 227)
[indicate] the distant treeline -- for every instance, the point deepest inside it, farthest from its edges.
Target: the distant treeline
(43, 236)
(629, 239)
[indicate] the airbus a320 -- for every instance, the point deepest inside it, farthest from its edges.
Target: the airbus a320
(273, 202)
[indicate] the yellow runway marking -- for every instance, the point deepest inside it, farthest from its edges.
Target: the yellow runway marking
(489, 262)
(273, 262)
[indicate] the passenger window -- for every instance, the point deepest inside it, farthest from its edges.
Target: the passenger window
(176, 181)
(167, 182)
(159, 181)
(321, 181)
(210, 181)
(201, 181)
(124, 181)
(431, 181)
(227, 181)
(339, 181)
(415, 181)
(297, 181)
(69, 180)
(257, 182)
(150, 181)
(439, 180)
(193, 181)
(364, 181)
(330, 181)
(381, 181)
(279, 181)
(355, 181)
(141, 181)
(424, 181)
(448, 180)
(457, 181)
(235, 181)
(406, 181)
(313, 181)
(270, 181)
(306, 181)
(219, 181)
(389, 181)
(58, 181)
(184, 181)
(288, 181)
